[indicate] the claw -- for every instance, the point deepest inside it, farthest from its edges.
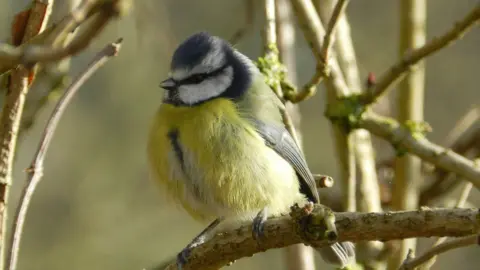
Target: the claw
(182, 257)
(258, 224)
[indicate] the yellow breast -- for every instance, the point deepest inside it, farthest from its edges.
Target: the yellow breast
(227, 168)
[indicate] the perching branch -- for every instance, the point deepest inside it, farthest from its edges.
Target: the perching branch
(453, 244)
(413, 142)
(400, 69)
(284, 231)
(35, 172)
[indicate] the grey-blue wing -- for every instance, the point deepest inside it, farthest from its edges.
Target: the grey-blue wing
(280, 140)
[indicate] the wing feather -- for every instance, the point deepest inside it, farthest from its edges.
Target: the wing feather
(280, 140)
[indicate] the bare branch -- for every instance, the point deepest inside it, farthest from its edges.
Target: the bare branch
(368, 198)
(402, 138)
(12, 114)
(410, 106)
(460, 203)
(367, 187)
(329, 35)
(400, 69)
(463, 139)
(343, 45)
(10, 119)
(284, 231)
(297, 257)
(38, 18)
(50, 81)
(453, 244)
(270, 34)
(35, 172)
(462, 126)
(314, 33)
(344, 145)
(104, 11)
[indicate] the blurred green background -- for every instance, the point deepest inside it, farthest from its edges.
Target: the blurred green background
(96, 207)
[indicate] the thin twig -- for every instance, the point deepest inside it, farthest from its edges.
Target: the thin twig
(329, 35)
(400, 69)
(51, 80)
(11, 56)
(463, 139)
(343, 45)
(12, 114)
(35, 171)
(462, 125)
(462, 199)
(283, 231)
(248, 24)
(453, 244)
(315, 34)
(403, 139)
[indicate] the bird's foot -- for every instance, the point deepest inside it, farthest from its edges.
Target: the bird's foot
(326, 216)
(316, 222)
(258, 224)
(182, 257)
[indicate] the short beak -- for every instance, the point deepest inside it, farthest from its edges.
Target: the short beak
(168, 84)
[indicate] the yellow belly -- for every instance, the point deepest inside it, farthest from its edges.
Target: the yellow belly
(227, 169)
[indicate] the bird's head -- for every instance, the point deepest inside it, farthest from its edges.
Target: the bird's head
(203, 68)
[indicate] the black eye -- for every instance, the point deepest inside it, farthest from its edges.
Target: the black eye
(195, 79)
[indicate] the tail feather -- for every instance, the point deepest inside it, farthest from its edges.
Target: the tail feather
(342, 254)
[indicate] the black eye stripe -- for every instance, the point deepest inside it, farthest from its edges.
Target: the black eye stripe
(199, 77)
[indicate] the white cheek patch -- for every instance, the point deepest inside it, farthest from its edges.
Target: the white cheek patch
(209, 88)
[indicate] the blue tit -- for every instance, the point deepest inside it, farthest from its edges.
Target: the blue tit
(218, 145)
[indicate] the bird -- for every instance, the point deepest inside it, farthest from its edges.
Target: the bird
(219, 148)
